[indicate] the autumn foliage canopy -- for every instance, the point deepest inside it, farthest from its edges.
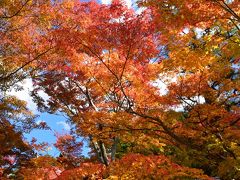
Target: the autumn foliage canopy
(154, 90)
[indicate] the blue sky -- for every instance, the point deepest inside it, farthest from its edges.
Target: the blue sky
(57, 123)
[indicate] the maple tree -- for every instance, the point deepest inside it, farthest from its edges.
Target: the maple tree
(17, 21)
(205, 57)
(156, 94)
